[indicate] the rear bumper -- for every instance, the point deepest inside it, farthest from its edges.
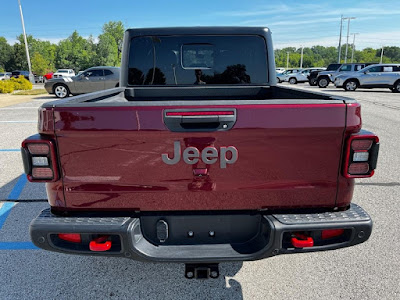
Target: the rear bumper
(273, 235)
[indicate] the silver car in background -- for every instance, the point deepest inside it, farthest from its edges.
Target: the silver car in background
(281, 77)
(91, 80)
(325, 77)
(373, 76)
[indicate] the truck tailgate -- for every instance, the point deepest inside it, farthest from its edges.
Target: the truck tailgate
(288, 155)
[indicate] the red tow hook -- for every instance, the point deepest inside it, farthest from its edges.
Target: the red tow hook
(100, 244)
(302, 241)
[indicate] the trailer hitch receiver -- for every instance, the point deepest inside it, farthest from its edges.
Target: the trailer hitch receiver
(201, 271)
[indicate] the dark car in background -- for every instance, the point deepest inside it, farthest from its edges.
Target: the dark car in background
(18, 73)
(312, 78)
(91, 80)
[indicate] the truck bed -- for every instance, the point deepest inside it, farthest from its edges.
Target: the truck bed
(132, 96)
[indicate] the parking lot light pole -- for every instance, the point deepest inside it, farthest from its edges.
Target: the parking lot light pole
(348, 33)
(381, 55)
(31, 78)
(352, 48)
(301, 58)
(340, 38)
(287, 60)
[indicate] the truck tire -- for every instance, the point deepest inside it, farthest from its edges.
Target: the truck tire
(323, 82)
(278, 80)
(350, 85)
(61, 91)
(396, 87)
(313, 82)
(292, 80)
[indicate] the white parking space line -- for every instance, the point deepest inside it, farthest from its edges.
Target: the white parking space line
(14, 108)
(33, 121)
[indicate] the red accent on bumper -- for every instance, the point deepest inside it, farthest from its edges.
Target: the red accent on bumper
(302, 241)
(100, 244)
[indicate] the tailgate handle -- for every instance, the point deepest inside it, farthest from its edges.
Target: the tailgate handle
(203, 120)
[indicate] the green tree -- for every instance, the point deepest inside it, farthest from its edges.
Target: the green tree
(46, 49)
(75, 52)
(107, 51)
(116, 30)
(18, 60)
(40, 66)
(6, 53)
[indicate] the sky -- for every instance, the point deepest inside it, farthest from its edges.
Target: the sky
(292, 22)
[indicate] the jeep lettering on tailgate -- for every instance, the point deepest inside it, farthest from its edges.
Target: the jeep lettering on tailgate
(209, 155)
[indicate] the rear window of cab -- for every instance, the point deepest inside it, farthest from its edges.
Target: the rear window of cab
(198, 60)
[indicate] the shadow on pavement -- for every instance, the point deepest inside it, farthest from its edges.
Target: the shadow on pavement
(6, 189)
(45, 97)
(379, 184)
(20, 189)
(357, 91)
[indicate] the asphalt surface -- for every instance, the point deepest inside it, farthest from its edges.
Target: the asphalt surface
(367, 271)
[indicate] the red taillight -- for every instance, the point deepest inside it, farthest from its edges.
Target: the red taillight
(38, 149)
(40, 160)
(42, 173)
(361, 155)
(358, 145)
(70, 237)
(358, 168)
(331, 233)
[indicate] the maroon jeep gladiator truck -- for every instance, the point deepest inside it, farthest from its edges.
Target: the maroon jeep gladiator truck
(199, 158)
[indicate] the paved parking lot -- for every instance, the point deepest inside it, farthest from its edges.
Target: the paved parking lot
(367, 271)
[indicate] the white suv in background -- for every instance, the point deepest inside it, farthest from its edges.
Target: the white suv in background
(64, 73)
(5, 75)
(373, 76)
(302, 75)
(281, 77)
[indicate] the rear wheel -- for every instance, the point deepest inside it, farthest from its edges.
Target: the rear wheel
(61, 91)
(323, 82)
(292, 80)
(313, 82)
(396, 87)
(350, 85)
(278, 80)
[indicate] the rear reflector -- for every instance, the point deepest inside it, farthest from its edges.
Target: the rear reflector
(358, 168)
(38, 149)
(70, 237)
(331, 233)
(42, 173)
(357, 145)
